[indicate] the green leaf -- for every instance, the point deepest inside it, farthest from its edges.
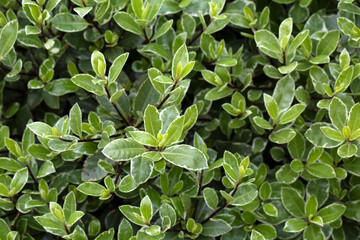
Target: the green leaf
(211, 198)
(180, 59)
(295, 225)
(173, 133)
(286, 175)
(75, 120)
(116, 67)
(218, 92)
(298, 40)
(268, 44)
(46, 168)
(144, 138)
(67, 22)
(321, 170)
(85, 81)
(132, 213)
(214, 228)
(270, 210)
(262, 123)
(19, 180)
(332, 134)
(69, 205)
(285, 31)
(282, 136)
(152, 121)
(328, 43)
(127, 22)
(125, 230)
(9, 164)
(41, 129)
(146, 208)
(288, 68)
(293, 113)
(98, 63)
(162, 29)
(354, 118)
(245, 194)
(347, 150)
(284, 92)
(91, 189)
(8, 37)
(313, 232)
(154, 8)
(338, 113)
(13, 147)
(331, 212)
(343, 80)
(271, 106)
(186, 156)
(311, 206)
(255, 235)
(123, 149)
(292, 201)
(109, 234)
(317, 138)
(218, 23)
(137, 6)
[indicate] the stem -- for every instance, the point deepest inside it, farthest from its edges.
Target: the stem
(167, 96)
(91, 139)
(199, 34)
(31, 174)
(119, 172)
(223, 206)
(199, 191)
(116, 107)
(145, 35)
(284, 59)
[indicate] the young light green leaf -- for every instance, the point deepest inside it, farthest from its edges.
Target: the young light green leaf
(127, 22)
(295, 225)
(298, 40)
(268, 44)
(285, 31)
(75, 120)
(293, 113)
(18, 181)
(338, 113)
(146, 208)
(271, 106)
(328, 43)
(85, 81)
(116, 67)
(91, 189)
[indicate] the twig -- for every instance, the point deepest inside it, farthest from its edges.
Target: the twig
(223, 206)
(119, 172)
(116, 107)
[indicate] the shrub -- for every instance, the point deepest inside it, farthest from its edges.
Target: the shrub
(166, 119)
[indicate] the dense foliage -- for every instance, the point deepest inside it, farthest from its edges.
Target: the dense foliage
(169, 119)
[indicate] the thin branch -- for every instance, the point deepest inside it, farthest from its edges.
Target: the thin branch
(116, 107)
(31, 174)
(223, 206)
(119, 172)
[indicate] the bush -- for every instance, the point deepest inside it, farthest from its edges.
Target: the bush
(166, 119)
